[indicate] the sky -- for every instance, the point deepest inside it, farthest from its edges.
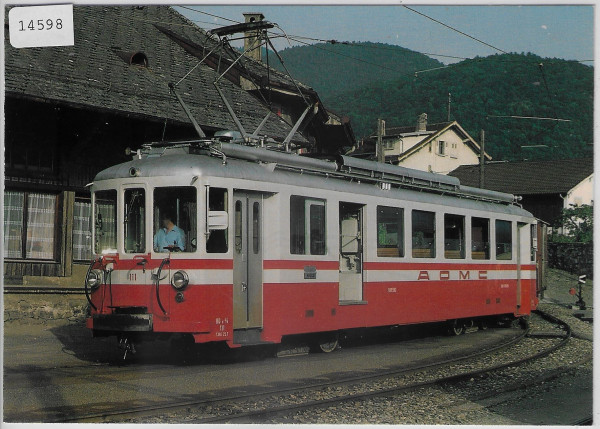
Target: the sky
(550, 31)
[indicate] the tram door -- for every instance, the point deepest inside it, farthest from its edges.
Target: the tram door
(247, 260)
(351, 252)
(523, 257)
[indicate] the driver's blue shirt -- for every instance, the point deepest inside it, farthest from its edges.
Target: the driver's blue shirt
(163, 239)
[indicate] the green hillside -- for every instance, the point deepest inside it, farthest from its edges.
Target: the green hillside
(383, 85)
(332, 69)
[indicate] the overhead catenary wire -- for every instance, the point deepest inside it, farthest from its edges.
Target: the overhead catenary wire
(455, 29)
(301, 40)
(529, 117)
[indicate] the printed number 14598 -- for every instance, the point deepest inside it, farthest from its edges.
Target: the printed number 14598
(41, 24)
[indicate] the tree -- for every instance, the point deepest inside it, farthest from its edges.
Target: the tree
(577, 223)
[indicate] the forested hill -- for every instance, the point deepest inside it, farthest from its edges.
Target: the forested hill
(334, 68)
(381, 83)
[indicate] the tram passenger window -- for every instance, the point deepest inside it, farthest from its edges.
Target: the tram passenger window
(217, 240)
(390, 231)
(503, 240)
(135, 220)
(423, 234)
(307, 226)
(454, 236)
(480, 238)
(105, 222)
(175, 219)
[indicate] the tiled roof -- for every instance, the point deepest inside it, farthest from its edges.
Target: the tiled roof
(94, 72)
(528, 177)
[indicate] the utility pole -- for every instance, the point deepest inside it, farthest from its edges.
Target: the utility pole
(449, 102)
(380, 133)
(482, 160)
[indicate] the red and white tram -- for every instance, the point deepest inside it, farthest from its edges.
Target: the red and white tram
(277, 244)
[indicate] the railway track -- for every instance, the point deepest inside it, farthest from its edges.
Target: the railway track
(403, 382)
(276, 404)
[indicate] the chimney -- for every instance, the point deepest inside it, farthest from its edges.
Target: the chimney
(251, 38)
(422, 122)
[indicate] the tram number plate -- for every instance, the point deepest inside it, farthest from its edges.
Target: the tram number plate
(310, 272)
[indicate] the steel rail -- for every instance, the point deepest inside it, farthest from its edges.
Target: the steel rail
(317, 404)
(172, 406)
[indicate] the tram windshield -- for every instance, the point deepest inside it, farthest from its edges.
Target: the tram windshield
(175, 219)
(105, 223)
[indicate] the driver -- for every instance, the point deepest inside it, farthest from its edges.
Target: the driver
(170, 237)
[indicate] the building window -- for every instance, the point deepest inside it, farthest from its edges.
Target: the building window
(307, 226)
(503, 240)
(139, 59)
(441, 148)
(454, 236)
(13, 224)
(480, 238)
(423, 234)
(82, 249)
(390, 231)
(29, 225)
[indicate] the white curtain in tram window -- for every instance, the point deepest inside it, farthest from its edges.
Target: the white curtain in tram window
(41, 213)
(13, 224)
(81, 231)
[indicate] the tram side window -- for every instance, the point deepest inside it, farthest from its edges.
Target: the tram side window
(135, 220)
(217, 240)
(307, 226)
(454, 236)
(105, 222)
(390, 231)
(480, 238)
(423, 234)
(175, 219)
(503, 240)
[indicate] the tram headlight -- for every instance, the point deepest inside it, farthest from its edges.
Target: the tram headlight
(94, 279)
(180, 280)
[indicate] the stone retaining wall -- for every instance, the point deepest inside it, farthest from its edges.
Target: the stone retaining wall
(42, 307)
(576, 258)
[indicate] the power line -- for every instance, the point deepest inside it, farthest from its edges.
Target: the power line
(297, 38)
(210, 14)
(541, 67)
(454, 29)
(529, 117)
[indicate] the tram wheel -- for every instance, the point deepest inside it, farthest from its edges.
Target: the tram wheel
(456, 328)
(327, 344)
(482, 325)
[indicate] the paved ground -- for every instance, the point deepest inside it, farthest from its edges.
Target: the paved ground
(43, 347)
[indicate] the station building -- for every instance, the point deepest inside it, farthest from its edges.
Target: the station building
(72, 111)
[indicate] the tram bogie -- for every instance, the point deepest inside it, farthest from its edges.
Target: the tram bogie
(243, 245)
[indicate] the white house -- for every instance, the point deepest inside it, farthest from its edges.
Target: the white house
(437, 148)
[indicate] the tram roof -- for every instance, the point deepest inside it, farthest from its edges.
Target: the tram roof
(178, 162)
